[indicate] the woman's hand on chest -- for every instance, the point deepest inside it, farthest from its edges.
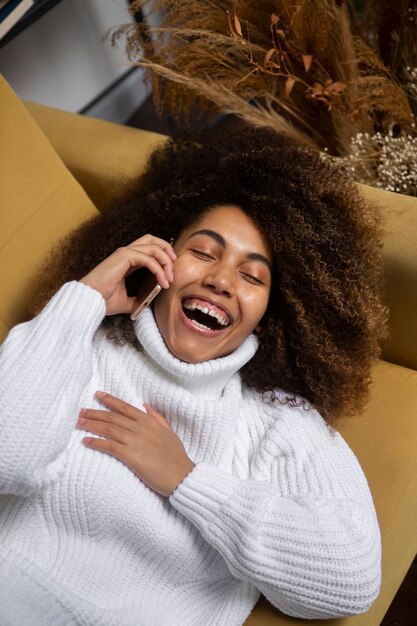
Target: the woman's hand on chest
(145, 442)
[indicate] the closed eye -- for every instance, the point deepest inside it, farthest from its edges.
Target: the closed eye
(252, 279)
(202, 255)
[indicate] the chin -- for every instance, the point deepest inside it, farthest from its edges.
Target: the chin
(188, 354)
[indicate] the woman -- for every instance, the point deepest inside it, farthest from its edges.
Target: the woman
(171, 470)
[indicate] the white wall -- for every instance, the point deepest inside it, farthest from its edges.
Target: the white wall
(61, 60)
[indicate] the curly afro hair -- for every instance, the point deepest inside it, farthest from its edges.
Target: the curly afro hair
(325, 318)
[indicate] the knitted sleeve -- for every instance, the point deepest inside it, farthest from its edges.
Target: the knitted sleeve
(44, 366)
(302, 529)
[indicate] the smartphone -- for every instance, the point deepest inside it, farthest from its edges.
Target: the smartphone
(147, 292)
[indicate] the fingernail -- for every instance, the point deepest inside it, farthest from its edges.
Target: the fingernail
(82, 412)
(81, 420)
(101, 394)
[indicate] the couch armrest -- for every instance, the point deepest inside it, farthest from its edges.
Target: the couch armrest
(40, 202)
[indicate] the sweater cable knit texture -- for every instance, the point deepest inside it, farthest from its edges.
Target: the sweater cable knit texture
(277, 503)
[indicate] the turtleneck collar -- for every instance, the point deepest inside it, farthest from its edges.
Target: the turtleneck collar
(209, 377)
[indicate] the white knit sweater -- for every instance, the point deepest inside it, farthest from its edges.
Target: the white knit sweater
(277, 502)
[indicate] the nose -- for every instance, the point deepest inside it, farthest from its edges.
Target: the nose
(219, 279)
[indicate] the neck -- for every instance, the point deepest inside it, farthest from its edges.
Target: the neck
(209, 378)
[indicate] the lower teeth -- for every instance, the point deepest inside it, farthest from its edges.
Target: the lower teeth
(200, 325)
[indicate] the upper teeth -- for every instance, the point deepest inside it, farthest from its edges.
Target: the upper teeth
(204, 309)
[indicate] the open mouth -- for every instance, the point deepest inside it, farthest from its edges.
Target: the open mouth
(205, 315)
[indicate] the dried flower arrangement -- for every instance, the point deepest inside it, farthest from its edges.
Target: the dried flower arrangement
(339, 75)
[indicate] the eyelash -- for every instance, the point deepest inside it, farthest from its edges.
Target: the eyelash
(248, 277)
(252, 279)
(202, 254)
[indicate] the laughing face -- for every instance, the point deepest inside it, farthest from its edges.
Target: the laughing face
(222, 281)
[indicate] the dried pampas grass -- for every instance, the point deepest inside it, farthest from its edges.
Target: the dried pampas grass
(308, 68)
(278, 56)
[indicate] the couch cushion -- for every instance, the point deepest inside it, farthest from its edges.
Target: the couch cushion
(384, 440)
(400, 261)
(40, 202)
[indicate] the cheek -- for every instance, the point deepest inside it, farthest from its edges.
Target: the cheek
(184, 274)
(159, 307)
(255, 307)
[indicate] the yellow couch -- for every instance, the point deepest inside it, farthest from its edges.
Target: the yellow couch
(57, 169)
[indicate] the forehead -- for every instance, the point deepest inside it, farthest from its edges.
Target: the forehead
(234, 226)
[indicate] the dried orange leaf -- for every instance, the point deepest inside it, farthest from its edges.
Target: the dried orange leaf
(317, 88)
(280, 32)
(231, 25)
(289, 84)
(284, 56)
(236, 34)
(237, 25)
(337, 87)
(274, 18)
(268, 55)
(307, 60)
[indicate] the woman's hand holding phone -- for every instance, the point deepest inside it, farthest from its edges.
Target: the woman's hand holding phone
(108, 277)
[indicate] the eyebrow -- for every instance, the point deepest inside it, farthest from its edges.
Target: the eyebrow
(255, 256)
